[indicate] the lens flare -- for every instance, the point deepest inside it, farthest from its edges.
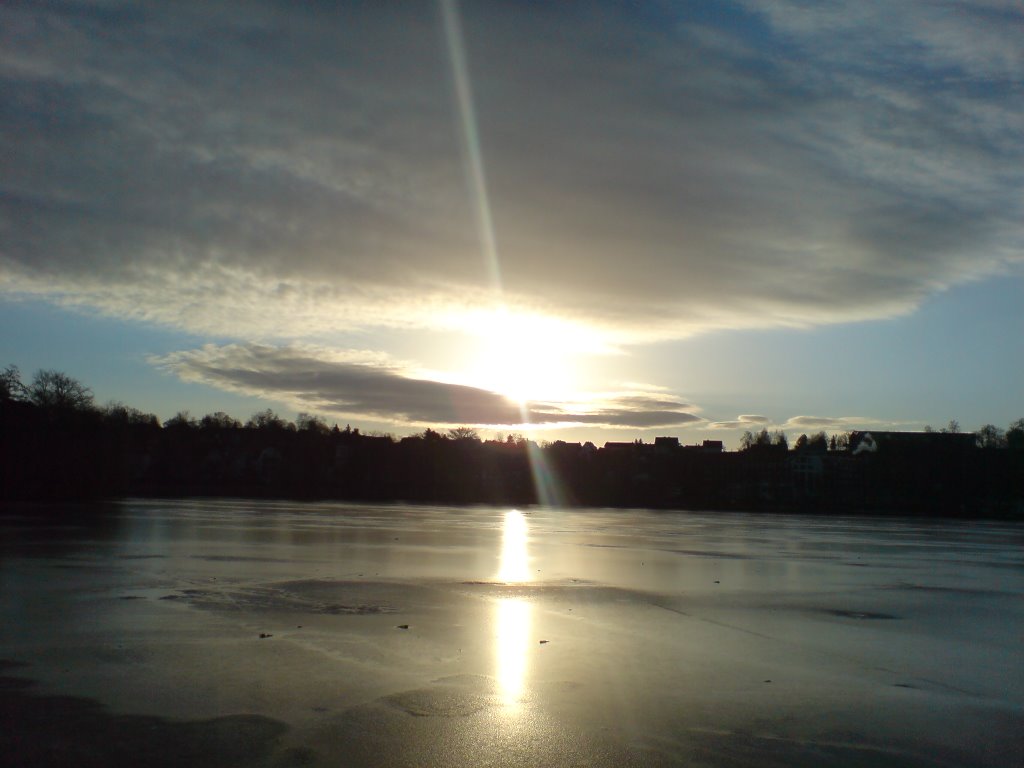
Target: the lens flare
(473, 157)
(531, 367)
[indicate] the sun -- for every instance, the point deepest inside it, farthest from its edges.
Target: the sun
(526, 357)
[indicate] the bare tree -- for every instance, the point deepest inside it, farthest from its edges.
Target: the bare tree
(11, 387)
(180, 420)
(1015, 435)
(219, 420)
(116, 412)
(463, 433)
(267, 419)
(990, 436)
(309, 422)
(58, 391)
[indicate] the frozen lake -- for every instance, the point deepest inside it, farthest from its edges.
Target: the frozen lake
(284, 634)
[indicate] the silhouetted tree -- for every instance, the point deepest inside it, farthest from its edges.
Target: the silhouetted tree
(764, 440)
(990, 436)
(219, 420)
(11, 387)
(818, 442)
(54, 444)
(308, 422)
(118, 413)
(1015, 435)
(267, 419)
(180, 420)
(953, 428)
(54, 390)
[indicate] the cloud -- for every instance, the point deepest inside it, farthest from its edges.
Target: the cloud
(743, 421)
(369, 385)
(825, 422)
(284, 171)
(756, 423)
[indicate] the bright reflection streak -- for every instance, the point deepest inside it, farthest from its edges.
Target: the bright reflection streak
(512, 614)
(514, 565)
(513, 620)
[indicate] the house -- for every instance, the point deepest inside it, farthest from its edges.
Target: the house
(904, 442)
(666, 444)
(708, 446)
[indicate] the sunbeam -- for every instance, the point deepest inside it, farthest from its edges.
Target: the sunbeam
(473, 158)
(545, 479)
(472, 155)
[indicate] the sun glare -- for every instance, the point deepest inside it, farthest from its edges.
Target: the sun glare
(527, 357)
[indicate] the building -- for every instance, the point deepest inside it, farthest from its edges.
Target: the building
(902, 442)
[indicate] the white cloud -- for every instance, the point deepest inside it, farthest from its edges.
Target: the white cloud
(288, 171)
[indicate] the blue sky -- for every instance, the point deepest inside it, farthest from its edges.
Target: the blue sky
(591, 221)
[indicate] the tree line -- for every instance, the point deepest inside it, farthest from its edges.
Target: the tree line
(57, 443)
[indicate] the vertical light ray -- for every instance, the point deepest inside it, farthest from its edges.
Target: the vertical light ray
(471, 141)
(544, 480)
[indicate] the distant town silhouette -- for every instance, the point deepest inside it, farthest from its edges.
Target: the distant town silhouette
(57, 444)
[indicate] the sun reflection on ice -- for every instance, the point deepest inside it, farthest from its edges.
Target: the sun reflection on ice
(513, 615)
(514, 565)
(513, 625)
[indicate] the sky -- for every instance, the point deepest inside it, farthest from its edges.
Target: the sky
(587, 221)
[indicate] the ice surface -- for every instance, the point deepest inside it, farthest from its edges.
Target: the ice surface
(267, 633)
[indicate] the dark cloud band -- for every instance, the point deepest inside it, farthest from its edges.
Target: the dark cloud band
(349, 384)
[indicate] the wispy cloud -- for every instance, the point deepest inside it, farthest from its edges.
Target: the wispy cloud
(756, 422)
(349, 383)
(743, 421)
(283, 171)
(826, 422)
